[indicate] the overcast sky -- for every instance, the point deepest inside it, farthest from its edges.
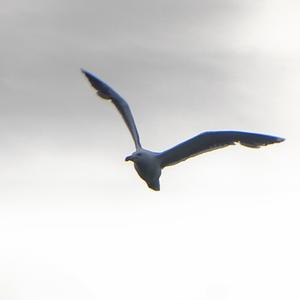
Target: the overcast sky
(76, 221)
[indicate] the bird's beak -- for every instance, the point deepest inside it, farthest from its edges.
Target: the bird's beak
(130, 157)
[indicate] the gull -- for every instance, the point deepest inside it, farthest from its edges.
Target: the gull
(149, 164)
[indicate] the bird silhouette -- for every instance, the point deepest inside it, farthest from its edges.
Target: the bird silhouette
(149, 164)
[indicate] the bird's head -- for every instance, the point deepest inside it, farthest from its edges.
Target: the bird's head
(134, 157)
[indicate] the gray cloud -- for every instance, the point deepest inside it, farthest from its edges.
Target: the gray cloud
(153, 53)
(168, 59)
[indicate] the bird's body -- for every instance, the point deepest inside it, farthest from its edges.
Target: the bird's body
(149, 164)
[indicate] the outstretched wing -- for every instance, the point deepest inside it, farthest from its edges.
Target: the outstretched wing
(106, 92)
(212, 140)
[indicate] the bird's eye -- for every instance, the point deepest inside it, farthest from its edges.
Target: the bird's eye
(139, 154)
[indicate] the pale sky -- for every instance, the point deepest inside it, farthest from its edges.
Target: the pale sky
(77, 222)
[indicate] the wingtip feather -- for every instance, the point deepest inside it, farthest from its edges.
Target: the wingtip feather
(279, 139)
(86, 73)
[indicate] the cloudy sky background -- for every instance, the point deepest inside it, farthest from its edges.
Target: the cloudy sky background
(76, 221)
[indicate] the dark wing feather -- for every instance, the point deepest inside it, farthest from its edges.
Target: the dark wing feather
(213, 140)
(106, 92)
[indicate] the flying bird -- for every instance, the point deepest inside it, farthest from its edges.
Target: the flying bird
(149, 164)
